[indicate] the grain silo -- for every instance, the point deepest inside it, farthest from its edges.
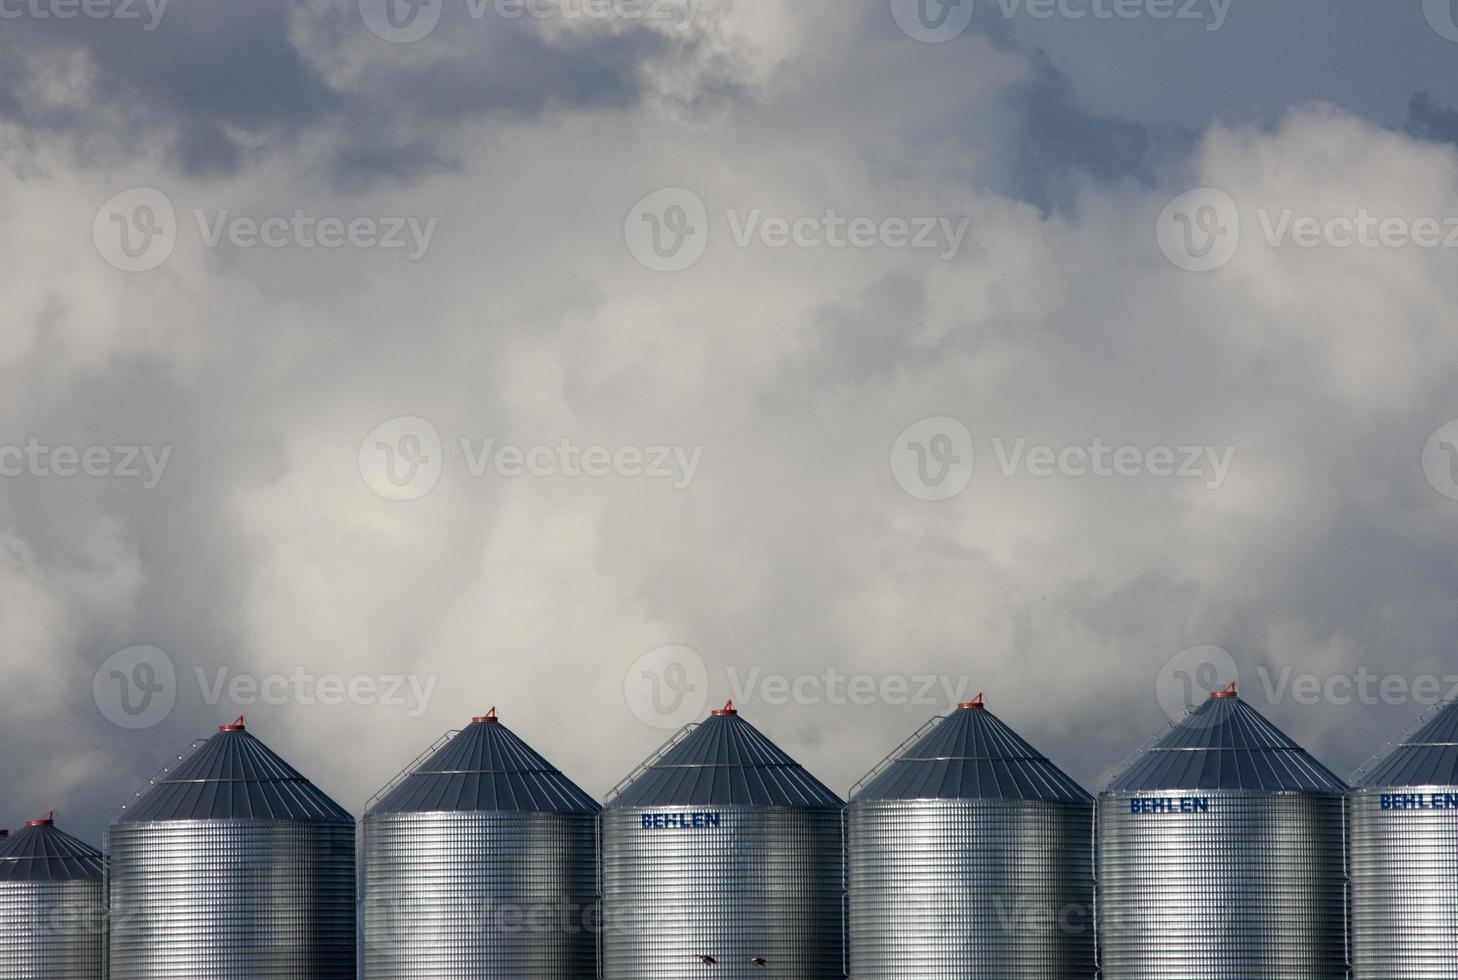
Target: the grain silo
(231, 865)
(970, 856)
(52, 917)
(480, 864)
(722, 852)
(1221, 856)
(1404, 858)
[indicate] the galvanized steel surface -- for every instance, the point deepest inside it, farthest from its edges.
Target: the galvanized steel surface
(52, 930)
(1404, 869)
(1253, 889)
(970, 890)
(232, 899)
(732, 883)
(475, 895)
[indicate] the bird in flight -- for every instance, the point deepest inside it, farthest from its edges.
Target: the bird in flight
(759, 962)
(707, 960)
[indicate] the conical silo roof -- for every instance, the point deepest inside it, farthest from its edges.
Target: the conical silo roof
(1225, 744)
(1428, 758)
(726, 761)
(486, 767)
(970, 755)
(234, 776)
(41, 852)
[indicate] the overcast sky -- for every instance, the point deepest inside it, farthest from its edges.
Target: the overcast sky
(602, 361)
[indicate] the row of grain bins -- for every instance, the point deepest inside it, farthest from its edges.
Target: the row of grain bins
(1224, 852)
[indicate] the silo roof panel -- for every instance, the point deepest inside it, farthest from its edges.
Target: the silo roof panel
(1428, 758)
(1225, 744)
(44, 853)
(486, 767)
(971, 754)
(726, 761)
(234, 776)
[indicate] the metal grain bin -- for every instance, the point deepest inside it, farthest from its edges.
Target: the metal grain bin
(1221, 856)
(481, 864)
(722, 857)
(1404, 858)
(970, 856)
(231, 866)
(52, 918)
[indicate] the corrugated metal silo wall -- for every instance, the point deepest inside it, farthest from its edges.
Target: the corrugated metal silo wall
(728, 882)
(478, 895)
(51, 930)
(1404, 868)
(970, 889)
(1221, 886)
(232, 899)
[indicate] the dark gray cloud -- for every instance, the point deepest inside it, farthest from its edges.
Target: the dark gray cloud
(795, 551)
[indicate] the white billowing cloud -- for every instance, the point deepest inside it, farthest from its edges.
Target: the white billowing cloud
(794, 551)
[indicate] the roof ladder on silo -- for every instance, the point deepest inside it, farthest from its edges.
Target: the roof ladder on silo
(400, 776)
(1398, 742)
(907, 743)
(651, 761)
(161, 774)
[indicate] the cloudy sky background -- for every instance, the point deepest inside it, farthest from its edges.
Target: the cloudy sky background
(795, 550)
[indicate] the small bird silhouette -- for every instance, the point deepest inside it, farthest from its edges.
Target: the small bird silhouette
(757, 961)
(707, 960)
